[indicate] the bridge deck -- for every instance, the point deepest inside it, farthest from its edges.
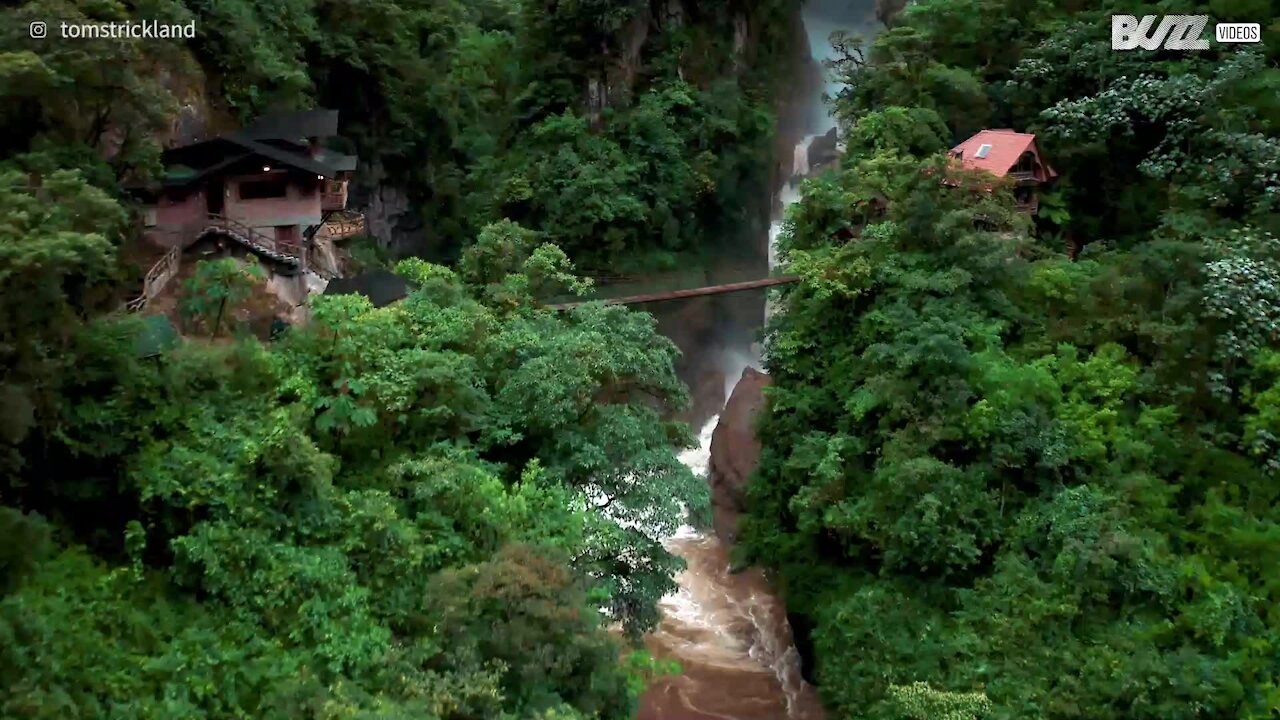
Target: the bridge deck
(681, 294)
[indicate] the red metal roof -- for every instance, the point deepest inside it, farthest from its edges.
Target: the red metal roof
(1006, 147)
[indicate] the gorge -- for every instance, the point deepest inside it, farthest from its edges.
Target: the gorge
(726, 628)
(1010, 459)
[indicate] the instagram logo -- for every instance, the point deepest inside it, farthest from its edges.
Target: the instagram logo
(39, 29)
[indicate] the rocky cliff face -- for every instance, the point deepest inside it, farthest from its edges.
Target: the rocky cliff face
(735, 452)
(690, 325)
(822, 151)
(389, 214)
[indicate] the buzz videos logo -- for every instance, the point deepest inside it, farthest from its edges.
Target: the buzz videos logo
(1176, 32)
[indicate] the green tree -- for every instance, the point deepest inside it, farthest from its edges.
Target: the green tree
(258, 53)
(56, 250)
(914, 131)
(525, 611)
(218, 286)
(921, 702)
(988, 466)
(95, 104)
(337, 523)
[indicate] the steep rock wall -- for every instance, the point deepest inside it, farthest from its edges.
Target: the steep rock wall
(714, 333)
(389, 214)
(735, 452)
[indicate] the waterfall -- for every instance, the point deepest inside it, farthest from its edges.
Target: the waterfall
(728, 630)
(800, 159)
(821, 18)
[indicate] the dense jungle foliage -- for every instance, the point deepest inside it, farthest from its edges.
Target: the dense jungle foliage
(429, 510)
(476, 110)
(1032, 486)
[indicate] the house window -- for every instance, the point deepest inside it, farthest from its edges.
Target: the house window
(983, 151)
(262, 189)
(287, 234)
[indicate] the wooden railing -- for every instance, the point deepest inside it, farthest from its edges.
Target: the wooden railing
(167, 267)
(344, 227)
(157, 278)
(290, 252)
(681, 294)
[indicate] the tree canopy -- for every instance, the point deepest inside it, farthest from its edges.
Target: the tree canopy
(1000, 481)
(1013, 466)
(446, 508)
(391, 511)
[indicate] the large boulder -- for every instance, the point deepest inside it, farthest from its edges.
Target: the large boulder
(735, 452)
(822, 151)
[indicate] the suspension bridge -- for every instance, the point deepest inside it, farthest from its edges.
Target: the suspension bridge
(682, 294)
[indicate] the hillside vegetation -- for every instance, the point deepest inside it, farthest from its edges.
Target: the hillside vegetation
(999, 483)
(447, 508)
(475, 110)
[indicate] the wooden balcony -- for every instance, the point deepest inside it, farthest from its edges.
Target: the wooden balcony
(333, 196)
(344, 226)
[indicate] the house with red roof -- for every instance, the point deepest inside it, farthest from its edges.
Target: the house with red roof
(1005, 153)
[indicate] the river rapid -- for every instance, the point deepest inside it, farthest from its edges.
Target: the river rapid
(728, 631)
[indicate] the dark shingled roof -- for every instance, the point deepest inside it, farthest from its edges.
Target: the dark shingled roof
(221, 153)
(302, 161)
(273, 139)
(382, 287)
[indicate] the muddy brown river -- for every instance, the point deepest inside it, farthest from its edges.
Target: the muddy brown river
(728, 632)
